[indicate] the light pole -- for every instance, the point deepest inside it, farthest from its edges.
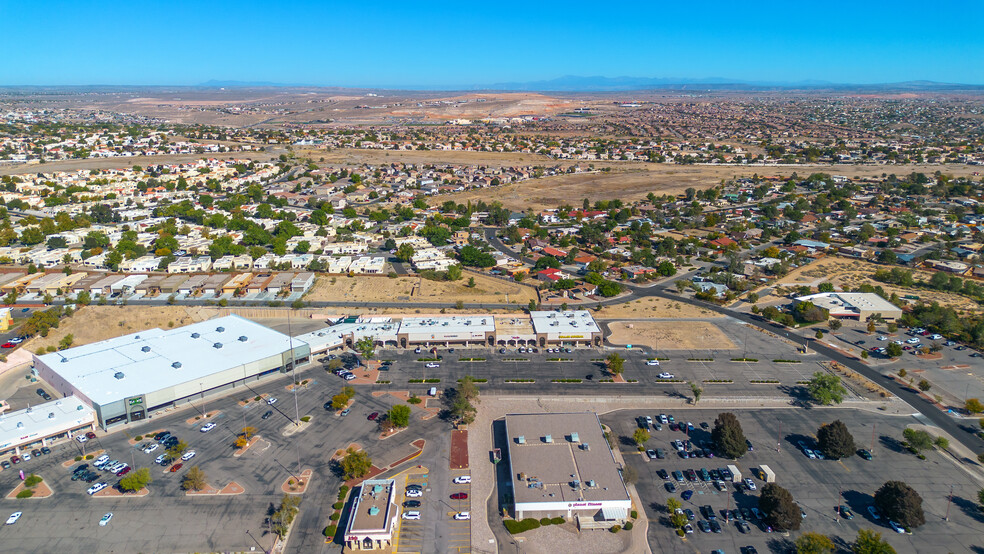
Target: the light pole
(949, 500)
(287, 470)
(293, 371)
(256, 541)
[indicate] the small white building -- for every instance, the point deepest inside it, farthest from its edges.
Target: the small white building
(44, 424)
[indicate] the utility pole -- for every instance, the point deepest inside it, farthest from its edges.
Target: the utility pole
(873, 427)
(949, 500)
(779, 438)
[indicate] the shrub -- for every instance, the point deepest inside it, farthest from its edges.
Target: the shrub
(306, 418)
(628, 526)
(89, 456)
(527, 524)
(557, 521)
(414, 400)
(78, 458)
(545, 521)
(338, 505)
(25, 494)
(32, 481)
(334, 517)
(634, 514)
(329, 531)
(257, 398)
(615, 528)
(138, 438)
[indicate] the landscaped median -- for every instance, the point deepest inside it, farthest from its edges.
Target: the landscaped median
(718, 381)
(31, 487)
(520, 380)
(298, 484)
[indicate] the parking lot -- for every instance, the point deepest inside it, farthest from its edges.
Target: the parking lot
(436, 530)
(818, 486)
(168, 520)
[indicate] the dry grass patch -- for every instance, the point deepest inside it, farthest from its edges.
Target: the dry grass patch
(384, 289)
(670, 335)
(96, 323)
(653, 307)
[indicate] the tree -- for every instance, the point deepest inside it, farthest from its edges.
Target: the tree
(366, 346)
(399, 415)
(356, 463)
(672, 504)
(834, 324)
(454, 273)
(924, 385)
(814, 543)
(404, 252)
(941, 442)
(83, 298)
(871, 326)
(917, 440)
(698, 392)
(616, 363)
(339, 401)
(471, 282)
(826, 389)
(780, 511)
(728, 437)
(462, 410)
(835, 440)
(177, 450)
(335, 364)
(974, 406)
(135, 480)
(468, 389)
(870, 542)
(893, 350)
(640, 436)
(980, 498)
(825, 287)
(819, 334)
(284, 515)
(900, 503)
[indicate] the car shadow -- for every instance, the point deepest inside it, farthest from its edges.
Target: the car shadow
(858, 502)
(892, 443)
(780, 544)
(795, 438)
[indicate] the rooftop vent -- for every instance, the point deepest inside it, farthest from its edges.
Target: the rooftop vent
(64, 359)
(195, 335)
(51, 415)
(136, 336)
(145, 349)
(548, 439)
(591, 483)
(376, 489)
(219, 329)
(575, 438)
(58, 402)
(79, 408)
(176, 365)
(20, 424)
(521, 439)
(373, 511)
(243, 338)
(119, 375)
(217, 345)
(584, 446)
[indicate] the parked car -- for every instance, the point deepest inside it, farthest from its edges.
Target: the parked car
(459, 496)
(652, 362)
(414, 493)
(373, 416)
(750, 484)
(152, 447)
(665, 375)
(864, 454)
(462, 516)
(687, 494)
(267, 414)
(96, 488)
(207, 427)
(346, 412)
(845, 512)
(411, 515)
(670, 487)
(104, 520)
(90, 435)
(464, 479)
(82, 439)
(176, 467)
(662, 473)
(896, 527)
(651, 454)
(874, 513)
(272, 400)
(411, 504)
(188, 455)
(13, 518)
(432, 365)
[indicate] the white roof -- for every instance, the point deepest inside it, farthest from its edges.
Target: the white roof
(838, 302)
(144, 362)
(43, 420)
(447, 324)
(333, 336)
(571, 321)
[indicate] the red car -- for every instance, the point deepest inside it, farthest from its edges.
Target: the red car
(15, 459)
(9, 345)
(459, 496)
(123, 472)
(90, 435)
(176, 467)
(373, 416)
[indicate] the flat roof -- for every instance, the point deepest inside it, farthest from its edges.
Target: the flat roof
(517, 328)
(143, 362)
(571, 321)
(562, 457)
(838, 302)
(441, 325)
(43, 420)
(334, 335)
(374, 508)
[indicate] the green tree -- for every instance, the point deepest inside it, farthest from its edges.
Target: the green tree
(826, 389)
(974, 406)
(818, 334)
(366, 346)
(135, 480)
(899, 502)
(177, 450)
(285, 514)
(454, 272)
(834, 324)
(941, 442)
(339, 401)
(83, 298)
(780, 511)
(917, 440)
(728, 436)
(404, 252)
(893, 350)
(814, 543)
(356, 463)
(924, 385)
(697, 391)
(835, 440)
(616, 363)
(870, 542)
(640, 436)
(471, 282)
(399, 415)
(468, 388)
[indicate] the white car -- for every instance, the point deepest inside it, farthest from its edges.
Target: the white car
(882, 337)
(898, 528)
(750, 484)
(414, 493)
(874, 513)
(462, 515)
(207, 427)
(16, 340)
(411, 515)
(13, 518)
(101, 460)
(160, 459)
(913, 340)
(81, 438)
(432, 364)
(272, 400)
(663, 419)
(26, 457)
(188, 455)
(151, 448)
(96, 488)
(652, 362)
(809, 454)
(649, 421)
(464, 479)
(936, 336)
(348, 376)
(104, 521)
(665, 375)
(898, 342)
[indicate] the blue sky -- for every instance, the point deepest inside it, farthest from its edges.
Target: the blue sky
(435, 43)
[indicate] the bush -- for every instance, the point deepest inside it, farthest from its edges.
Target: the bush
(257, 398)
(338, 505)
(138, 438)
(306, 418)
(334, 517)
(634, 514)
(32, 481)
(557, 521)
(628, 526)
(78, 458)
(89, 456)
(614, 528)
(545, 521)
(25, 494)
(329, 531)
(527, 524)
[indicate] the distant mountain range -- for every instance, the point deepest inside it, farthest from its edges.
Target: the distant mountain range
(575, 83)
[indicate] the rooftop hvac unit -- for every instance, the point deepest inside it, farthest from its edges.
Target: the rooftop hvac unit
(51, 415)
(176, 365)
(548, 439)
(521, 439)
(195, 335)
(591, 483)
(217, 345)
(219, 329)
(575, 438)
(119, 375)
(243, 338)
(584, 446)
(145, 349)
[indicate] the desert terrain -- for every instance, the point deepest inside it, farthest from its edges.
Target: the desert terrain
(385, 289)
(670, 335)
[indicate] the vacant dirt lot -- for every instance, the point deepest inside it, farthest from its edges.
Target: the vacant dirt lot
(96, 323)
(653, 307)
(384, 289)
(632, 181)
(670, 335)
(357, 157)
(847, 274)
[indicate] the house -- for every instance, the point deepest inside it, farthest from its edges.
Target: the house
(723, 242)
(551, 275)
(636, 271)
(707, 286)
